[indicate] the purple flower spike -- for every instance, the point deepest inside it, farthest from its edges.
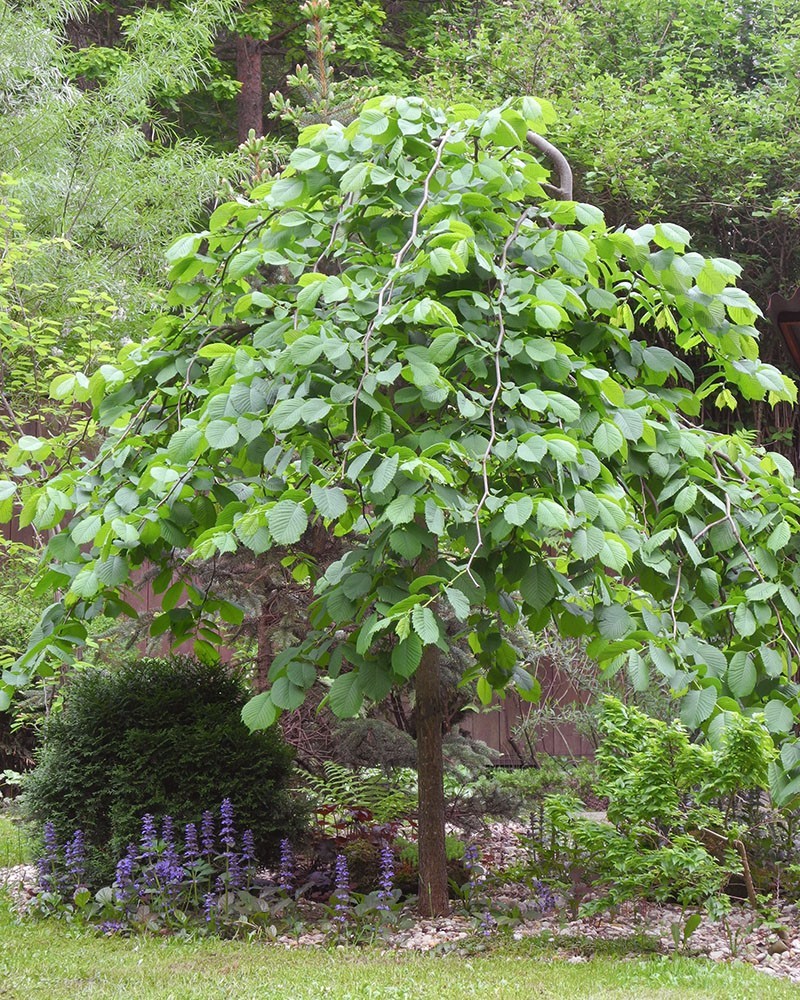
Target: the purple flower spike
(48, 862)
(341, 891)
(75, 858)
(248, 847)
(227, 834)
(209, 902)
(191, 850)
(207, 833)
(149, 835)
(124, 872)
(286, 872)
(168, 831)
(386, 877)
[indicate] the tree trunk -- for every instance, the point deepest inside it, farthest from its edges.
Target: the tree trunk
(433, 896)
(250, 100)
(265, 651)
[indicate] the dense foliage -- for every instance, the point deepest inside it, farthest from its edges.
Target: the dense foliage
(671, 834)
(162, 737)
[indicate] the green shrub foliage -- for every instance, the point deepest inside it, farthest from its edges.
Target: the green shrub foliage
(159, 736)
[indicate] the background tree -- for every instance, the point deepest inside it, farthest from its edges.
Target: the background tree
(405, 340)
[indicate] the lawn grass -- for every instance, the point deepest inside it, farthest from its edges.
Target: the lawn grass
(47, 961)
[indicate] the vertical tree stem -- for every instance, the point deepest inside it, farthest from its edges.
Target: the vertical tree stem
(433, 896)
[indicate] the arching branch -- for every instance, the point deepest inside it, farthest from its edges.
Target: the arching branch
(564, 190)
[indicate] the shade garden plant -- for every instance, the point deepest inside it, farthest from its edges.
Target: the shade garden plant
(158, 736)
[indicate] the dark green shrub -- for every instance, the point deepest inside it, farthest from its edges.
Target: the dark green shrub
(162, 737)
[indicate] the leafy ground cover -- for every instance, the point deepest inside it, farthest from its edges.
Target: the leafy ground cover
(46, 962)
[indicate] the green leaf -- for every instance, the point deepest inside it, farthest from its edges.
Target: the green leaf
(778, 716)
(86, 530)
(243, 263)
(774, 664)
(459, 602)
(551, 515)
(184, 445)
(615, 622)
(741, 676)
(331, 501)
(697, 706)
(259, 712)
(385, 473)
(222, 434)
(638, 671)
(406, 655)
(287, 695)
(287, 522)
(686, 499)
(434, 517)
(376, 680)
(346, 696)
(518, 512)
(537, 586)
(401, 510)
(425, 625)
(608, 439)
(779, 537)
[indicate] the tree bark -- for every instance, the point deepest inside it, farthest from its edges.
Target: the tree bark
(250, 99)
(265, 651)
(433, 896)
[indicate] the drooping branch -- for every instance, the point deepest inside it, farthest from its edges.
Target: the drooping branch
(564, 189)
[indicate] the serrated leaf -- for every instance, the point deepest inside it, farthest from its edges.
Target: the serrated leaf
(537, 587)
(551, 515)
(518, 512)
(330, 501)
(459, 602)
(221, 434)
(778, 716)
(638, 671)
(697, 706)
(243, 263)
(401, 510)
(287, 695)
(588, 542)
(779, 537)
(686, 498)
(259, 712)
(345, 696)
(741, 676)
(287, 521)
(425, 625)
(376, 680)
(184, 444)
(385, 473)
(774, 664)
(744, 621)
(614, 622)
(434, 517)
(608, 439)
(86, 530)
(406, 655)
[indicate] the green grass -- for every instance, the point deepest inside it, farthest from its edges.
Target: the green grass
(45, 961)
(13, 846)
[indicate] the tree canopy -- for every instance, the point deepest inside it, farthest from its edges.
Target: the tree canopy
(405, 340)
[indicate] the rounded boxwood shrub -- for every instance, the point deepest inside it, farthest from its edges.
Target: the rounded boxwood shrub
(159, 736)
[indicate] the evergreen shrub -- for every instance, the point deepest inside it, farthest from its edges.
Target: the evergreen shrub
(158, 736)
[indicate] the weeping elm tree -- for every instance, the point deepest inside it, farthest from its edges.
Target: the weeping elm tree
(407, 343)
